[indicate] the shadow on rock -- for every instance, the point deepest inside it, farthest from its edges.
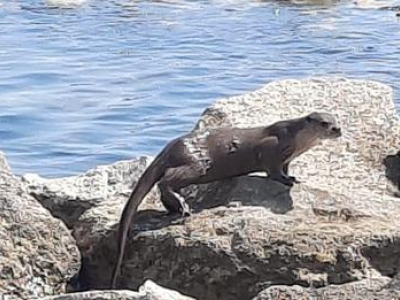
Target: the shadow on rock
(383, 256)
(241, 191)
(105, 250)
(392, 164)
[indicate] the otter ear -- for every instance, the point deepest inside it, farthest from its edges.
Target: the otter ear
(311, 117)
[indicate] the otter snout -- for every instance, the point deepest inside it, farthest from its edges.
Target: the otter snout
(336, 132)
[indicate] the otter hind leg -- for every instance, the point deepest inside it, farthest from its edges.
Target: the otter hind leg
(173, 180)
(173, 201)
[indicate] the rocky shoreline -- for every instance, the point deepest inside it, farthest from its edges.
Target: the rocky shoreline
(334, 236)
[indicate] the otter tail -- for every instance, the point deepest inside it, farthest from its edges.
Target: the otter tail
(152, 174)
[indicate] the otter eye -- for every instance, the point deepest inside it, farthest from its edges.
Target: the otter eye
(325, 124)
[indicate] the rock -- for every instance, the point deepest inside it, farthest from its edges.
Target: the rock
(235, 251)
(149, 291)
(340, 226)
(67, 198)
(155, 292)
(373, 288)
(38, 254)
(4, 167)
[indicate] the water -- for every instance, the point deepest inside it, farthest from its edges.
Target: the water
(112, 80)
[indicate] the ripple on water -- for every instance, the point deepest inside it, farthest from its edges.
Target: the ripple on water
(111, 80)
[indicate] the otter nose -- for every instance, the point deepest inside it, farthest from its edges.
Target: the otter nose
(336, 130)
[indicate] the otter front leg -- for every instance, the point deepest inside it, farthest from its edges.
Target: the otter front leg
(276, 173)
(285, 169)
(271, 155)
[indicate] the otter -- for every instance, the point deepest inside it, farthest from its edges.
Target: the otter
(206, 156)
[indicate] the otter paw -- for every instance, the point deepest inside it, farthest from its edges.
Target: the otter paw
(186, 214)
(284, 180)
(186, 211)
(294, 179)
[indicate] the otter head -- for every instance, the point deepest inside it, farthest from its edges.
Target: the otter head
(324, 125)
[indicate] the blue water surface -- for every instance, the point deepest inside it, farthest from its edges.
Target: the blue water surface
(114, 79)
